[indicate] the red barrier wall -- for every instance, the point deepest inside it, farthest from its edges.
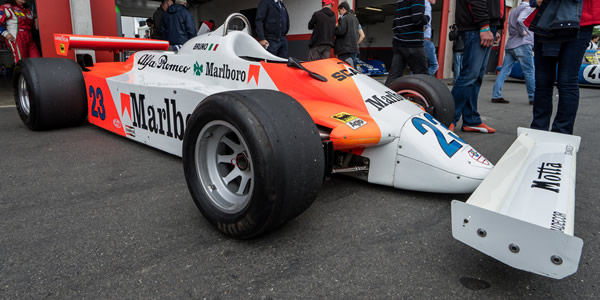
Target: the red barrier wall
(54, 16)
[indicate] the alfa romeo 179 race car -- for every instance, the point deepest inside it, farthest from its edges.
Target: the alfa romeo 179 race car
(257, 133)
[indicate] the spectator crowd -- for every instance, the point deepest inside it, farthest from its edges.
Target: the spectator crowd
(548, 38)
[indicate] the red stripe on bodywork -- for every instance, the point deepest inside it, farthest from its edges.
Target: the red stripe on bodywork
(126, 104)
(253, 72)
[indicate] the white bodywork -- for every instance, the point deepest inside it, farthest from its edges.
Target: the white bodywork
(415, 151)
(523, 213)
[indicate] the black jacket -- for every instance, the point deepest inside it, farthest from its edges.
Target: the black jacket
(157, 17)
(458, 44)
(269, 21)
(322, 24)
(346, 33)
(474, 14)
(178, 25)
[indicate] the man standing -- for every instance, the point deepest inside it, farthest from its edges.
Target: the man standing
(157, 17)
(477, 21)
(272, 24)
(593, 43)
(457, 48)
(519, 47)
(408, 25)
(346, 42)
(178, 24)
(432, 61)
(322, 24)
(558, 59)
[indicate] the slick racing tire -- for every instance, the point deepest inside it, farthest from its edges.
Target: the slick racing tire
(253, 160)
(429, 93)
(49, 93)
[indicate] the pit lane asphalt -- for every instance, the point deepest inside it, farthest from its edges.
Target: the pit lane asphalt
(87, 214)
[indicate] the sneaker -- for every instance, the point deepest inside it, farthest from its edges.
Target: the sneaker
(451, 127)
(478, 128)
(499, 100)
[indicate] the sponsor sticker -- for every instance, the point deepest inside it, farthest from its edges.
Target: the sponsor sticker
(206, 47)
(161, 63)
(61, 38)
(198, 69)
(382, 101)
(352, 121)
(62, 48)
(117, 123)
(549, 177)
(159, 118)
(130, 131)
(478, 157)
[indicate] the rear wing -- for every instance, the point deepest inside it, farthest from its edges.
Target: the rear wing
(523, 213)
(64, 42)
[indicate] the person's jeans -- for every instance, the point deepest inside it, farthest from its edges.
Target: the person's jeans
(432, 61)
(457, 65)
(569, 61)
(278, 48)
(467, 85)
(524, 55)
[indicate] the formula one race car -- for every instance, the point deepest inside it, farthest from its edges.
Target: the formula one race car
(257, 133)
(589, 72)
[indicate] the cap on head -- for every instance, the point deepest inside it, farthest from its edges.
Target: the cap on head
(327, 2)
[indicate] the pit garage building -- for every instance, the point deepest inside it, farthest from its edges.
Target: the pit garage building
(100, 17)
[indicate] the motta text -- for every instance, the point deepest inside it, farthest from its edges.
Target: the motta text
(549, 177)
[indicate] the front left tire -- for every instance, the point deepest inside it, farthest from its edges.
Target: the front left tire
(253, 160)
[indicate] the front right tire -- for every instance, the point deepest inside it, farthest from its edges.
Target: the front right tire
(429, 93)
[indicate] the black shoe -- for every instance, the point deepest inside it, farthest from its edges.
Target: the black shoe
(499, 100)
(530, 102)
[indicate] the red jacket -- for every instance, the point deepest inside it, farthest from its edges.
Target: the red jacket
(591, 13)
(15, 19)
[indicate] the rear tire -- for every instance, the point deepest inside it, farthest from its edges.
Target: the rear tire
(430, 93)
(49, 93)
(253, 160)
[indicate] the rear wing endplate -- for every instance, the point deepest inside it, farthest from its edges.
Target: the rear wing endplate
(523, 213)
(64, 42)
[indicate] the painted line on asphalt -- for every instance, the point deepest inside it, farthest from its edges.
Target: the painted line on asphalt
(7, 106)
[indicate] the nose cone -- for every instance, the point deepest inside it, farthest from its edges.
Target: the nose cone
(431, 158)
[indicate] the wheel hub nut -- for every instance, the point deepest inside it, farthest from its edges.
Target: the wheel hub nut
(241, 161)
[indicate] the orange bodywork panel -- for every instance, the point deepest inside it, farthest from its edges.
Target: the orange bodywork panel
(316, 97)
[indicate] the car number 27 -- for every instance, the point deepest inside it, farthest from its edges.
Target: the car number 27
(98, 109)
(449, 148)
